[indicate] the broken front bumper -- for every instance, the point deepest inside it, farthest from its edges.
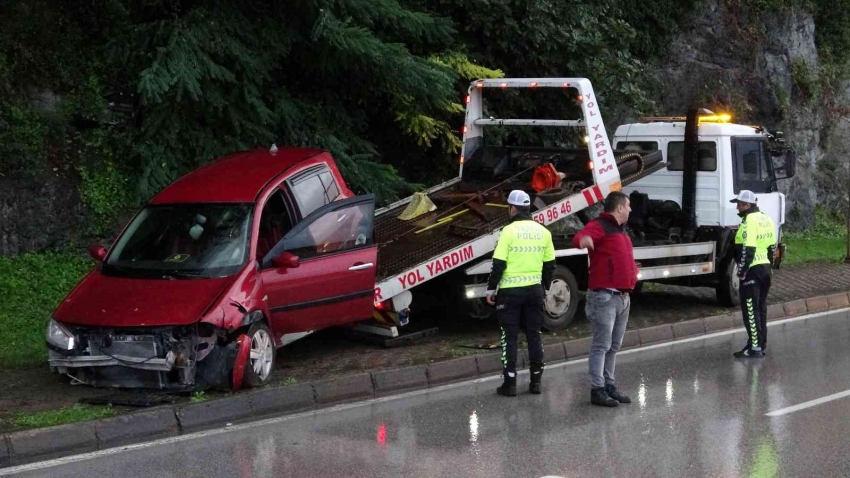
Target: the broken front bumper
(163, 358)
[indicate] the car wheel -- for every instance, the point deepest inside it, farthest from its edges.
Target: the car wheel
(562, 302)
(261, 359)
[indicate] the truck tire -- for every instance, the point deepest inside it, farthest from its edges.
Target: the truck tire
(562, 303)
(729, 288)
(258, 371)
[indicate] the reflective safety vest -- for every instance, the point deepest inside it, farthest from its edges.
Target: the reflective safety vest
(524, 246)
(757, 230)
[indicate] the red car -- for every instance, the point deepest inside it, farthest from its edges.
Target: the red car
(218, 270)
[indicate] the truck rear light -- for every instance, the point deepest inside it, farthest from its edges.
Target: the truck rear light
(464, 129)
(385, 305)
(468, 99)
(504, 85)
(533, 84)
(480, 84)
(580, 98)
(461, 160)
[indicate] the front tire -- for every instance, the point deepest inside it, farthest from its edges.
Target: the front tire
(729, 288)
(258, 371)
(561, 304)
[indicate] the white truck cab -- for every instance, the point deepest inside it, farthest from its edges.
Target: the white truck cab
(731, 157)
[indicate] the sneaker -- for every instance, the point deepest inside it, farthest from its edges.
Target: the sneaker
(749, 353)
(612, 392)
(598, 396)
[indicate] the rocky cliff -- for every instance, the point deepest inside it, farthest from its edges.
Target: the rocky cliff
(764, 67)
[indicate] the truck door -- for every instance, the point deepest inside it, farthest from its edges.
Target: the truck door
(753, 170)
(334, 282)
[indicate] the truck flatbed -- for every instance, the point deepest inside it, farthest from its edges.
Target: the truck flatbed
(461, 217)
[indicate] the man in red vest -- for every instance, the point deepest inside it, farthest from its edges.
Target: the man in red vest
(613, 274)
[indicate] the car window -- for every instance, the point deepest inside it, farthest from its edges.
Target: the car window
(706, 156)
(331, 190)
(182, 240)
(310, 194)
(335, 231)
(638, 146)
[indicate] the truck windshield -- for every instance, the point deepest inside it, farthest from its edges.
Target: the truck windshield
(183, 241)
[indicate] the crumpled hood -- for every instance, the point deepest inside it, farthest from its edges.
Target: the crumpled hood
(107, 301)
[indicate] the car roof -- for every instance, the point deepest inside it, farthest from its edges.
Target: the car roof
(237, 178)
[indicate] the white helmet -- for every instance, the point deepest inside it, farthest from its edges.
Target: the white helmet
(519, 198)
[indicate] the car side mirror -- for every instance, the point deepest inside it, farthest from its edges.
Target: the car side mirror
(286, 260)
(97, 253)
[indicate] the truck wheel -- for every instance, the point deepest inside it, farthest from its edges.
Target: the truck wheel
(729, 288)
(560, 306)
(261, 360)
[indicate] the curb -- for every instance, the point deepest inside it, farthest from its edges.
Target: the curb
(44, 443)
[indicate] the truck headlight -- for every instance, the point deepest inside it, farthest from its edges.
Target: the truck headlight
(59, 336)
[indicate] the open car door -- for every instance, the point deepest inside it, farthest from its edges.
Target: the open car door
(334, 280)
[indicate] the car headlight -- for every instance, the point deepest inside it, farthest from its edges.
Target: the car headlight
(59, 336)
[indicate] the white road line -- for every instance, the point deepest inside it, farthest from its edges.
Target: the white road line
(809, 404)
(244, 426)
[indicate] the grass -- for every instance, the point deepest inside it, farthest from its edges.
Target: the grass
(32, 286)
(61, 416)
(826, 241)
(801, 250)
(198, 397)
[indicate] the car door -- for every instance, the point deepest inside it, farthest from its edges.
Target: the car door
(753, 170)
(335, 280)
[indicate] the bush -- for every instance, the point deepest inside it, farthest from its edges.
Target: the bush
(32, 286)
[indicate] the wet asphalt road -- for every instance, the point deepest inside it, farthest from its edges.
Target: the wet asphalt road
(696, 411)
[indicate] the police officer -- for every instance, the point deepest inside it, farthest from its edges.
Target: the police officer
(523, 261)
(755, 244)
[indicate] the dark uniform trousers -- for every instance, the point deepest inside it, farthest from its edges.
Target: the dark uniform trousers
(754, 289)
(521, 307)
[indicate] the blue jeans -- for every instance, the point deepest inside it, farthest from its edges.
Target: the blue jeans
(608, 313)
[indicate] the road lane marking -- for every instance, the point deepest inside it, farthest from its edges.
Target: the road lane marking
(809, 404)
(40, 465)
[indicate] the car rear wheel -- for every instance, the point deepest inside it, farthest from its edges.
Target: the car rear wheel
(562, 301)
(261, 360)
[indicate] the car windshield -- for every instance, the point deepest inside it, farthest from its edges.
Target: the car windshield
(183, 241)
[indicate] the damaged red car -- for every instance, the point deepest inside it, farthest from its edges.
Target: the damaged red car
(218, 270)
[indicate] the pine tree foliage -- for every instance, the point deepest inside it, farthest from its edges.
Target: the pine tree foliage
(377, 82)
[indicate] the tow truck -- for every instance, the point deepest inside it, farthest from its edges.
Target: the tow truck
(682, 223)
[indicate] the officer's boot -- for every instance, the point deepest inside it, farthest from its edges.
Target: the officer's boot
(508, 388)
(536, 376)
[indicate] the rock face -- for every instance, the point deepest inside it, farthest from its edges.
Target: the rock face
(764, 68)
(39, 214)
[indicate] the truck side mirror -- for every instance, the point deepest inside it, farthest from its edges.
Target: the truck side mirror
(97, 253)
(286, 260)
(790, 163)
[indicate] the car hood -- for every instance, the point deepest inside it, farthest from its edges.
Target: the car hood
(107, 301)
